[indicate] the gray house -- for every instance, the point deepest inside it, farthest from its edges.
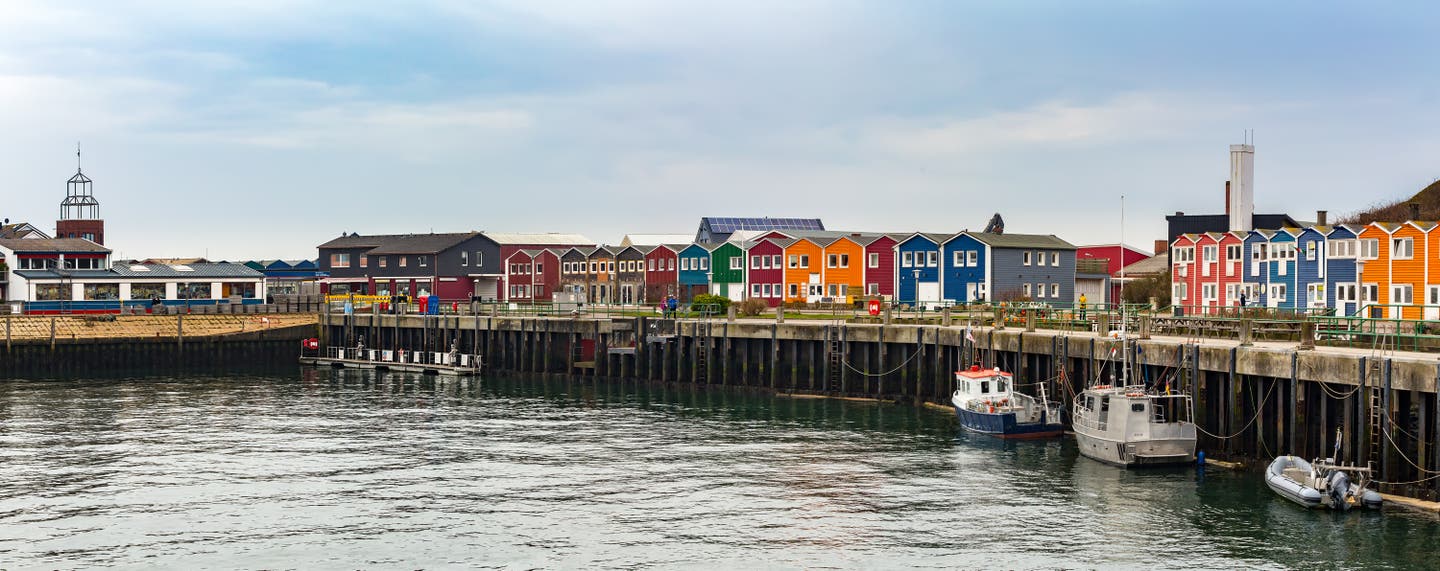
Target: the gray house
(981, 266)
(454, 266)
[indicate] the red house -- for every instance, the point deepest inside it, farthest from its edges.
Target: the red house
(511, 242)
(1219, 269)
(765, 270)
(880, 265)
(532, 275)
(1184, 273)
(1116, 255)
(662, 272)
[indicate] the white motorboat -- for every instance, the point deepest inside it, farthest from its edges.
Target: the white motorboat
(1130, 426)
(1322, 483)
(986, 401)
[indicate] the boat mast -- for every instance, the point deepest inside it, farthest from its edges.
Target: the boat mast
(1124, 350)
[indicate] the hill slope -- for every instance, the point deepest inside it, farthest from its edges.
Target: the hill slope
(1399, 211)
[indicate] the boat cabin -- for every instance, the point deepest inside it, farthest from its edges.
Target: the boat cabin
(978, 383)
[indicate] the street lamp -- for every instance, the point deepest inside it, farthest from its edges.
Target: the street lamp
(916, 273)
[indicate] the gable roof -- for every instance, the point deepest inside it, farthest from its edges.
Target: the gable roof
(725, 224)
(19, 230)
(51, 245)
(655, 239)
(538, 239)
(1040, 241)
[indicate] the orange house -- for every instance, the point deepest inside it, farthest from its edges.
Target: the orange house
(844, 271)
(804, 265)
(1409, 261)
(1373, 264)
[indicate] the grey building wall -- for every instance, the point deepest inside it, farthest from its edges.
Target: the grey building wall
(1008, 272)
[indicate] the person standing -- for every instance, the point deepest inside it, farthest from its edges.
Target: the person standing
(1083, 301)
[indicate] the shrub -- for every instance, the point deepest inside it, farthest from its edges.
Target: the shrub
(708, 301)
(753, 306)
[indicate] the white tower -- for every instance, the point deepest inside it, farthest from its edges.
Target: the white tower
(1242, 187)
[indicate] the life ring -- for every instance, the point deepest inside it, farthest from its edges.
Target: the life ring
(992, 409)
(1102, 386)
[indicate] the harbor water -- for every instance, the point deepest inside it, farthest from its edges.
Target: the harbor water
(320, 469)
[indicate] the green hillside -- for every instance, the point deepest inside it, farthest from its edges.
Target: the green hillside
(1399, 211)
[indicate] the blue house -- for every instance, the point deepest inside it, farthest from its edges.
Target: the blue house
(1325, 268)
(694, 271)
(1284, 290)
(1037, 267)
(917, 273)
(1257, 270)
(966, 268)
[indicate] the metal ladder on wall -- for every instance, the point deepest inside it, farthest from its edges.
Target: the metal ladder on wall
(702, 350)
(835, 358)
(1375, 406)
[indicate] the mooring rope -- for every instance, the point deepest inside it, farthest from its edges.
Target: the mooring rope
(1259, 408)
(847, 364)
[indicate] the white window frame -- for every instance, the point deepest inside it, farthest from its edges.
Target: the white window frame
(737, 263)
(1369, 248)
(932, 259)
(1055, 290)
(907, 259)
(1402, 248)
(1025, 289)
(872, 260)
(1409, 294)
(1055, 259)
(972, 258)
(1025, 258)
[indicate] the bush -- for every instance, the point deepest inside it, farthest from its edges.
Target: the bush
(753, 306)
(707, 301)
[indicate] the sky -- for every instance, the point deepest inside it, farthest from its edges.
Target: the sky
(257, 129)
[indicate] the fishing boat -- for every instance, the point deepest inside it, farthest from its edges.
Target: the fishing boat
(986, 401)
(1133, 426)
(1322, 483)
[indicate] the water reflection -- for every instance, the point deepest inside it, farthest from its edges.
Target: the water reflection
(339, 469)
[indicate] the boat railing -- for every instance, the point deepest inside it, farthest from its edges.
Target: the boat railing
(447, 359)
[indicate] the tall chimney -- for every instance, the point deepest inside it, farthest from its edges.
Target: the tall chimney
(1242, 188)
(1227, 198)
(1414, 210)
(1161, 247)
(1320, 217)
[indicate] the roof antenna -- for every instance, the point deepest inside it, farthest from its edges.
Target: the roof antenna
(77, 156)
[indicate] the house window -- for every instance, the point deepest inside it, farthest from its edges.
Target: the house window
(1402, 293)
(1369, 249)
(1310, 251)
(907, 259)
(873, 260)
(592, 266)
(539, 267)
(1208, 253)
(422, 260)
(765, 290)
(1346, 292)
(1232, 252)
(755, 262)
(794, 261)
(957, 258)
(794, 290)
(754, 290)
(1342, 248)
(778, 290)
(805, 260)
(611, 265)
(832, 290)
(844, 260)
(932, 258)
(382, 261)
(1208, 291)
(1025, 258)
(972, 258)
(1055, 258)
(1370, 293)
(1402, 248)
(464, 258)
(339, 260)
(704, 263)
(831, 260)
(364, 261)
(872, 289)
(736, 263)
(670, 264)
(1025, 287)
(652, 264)
(765, 262)
(1055, 290)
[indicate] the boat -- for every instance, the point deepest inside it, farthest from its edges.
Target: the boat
(1322, 483)
(986, 401)
(1132, 426)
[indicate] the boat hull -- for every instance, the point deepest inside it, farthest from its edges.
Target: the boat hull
(1155, 452)
(1004, 425)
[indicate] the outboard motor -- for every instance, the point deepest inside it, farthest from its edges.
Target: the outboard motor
(1339, 489)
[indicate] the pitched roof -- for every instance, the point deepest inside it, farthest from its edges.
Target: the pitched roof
(21, 230)
(1147, 266)
(538, 239)
(420, 243)
(725, 224)
(1044, 241)
(52, 245)
(655, 239)
(151, 271)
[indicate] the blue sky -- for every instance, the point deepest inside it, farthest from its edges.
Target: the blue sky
(260, 128)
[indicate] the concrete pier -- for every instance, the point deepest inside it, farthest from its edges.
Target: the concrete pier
(1253, 400)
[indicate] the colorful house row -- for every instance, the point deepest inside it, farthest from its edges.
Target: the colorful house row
(802, 266)
(1393, 269)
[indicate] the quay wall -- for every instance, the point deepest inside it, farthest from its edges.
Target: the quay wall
(256, 350)
(1252, 402)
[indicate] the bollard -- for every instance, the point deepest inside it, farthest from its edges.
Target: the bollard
(1307, 335)
(945, 317)
(1030, 321)
(1102, 324)
(999, 320)
(779, 314)
(1247, 331)
(887, 314)
(1145, 324)
(730, 315)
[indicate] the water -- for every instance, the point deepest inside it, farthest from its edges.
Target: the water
(342, 470)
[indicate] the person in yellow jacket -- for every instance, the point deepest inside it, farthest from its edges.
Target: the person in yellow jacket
(1082, 306)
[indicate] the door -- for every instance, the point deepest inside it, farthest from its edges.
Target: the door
(929, 291)
(485, 289)
(1316, 294)
(1432, 302)
(972, 292)
(1276, 293)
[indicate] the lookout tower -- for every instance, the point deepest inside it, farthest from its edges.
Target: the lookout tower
(80, 212)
